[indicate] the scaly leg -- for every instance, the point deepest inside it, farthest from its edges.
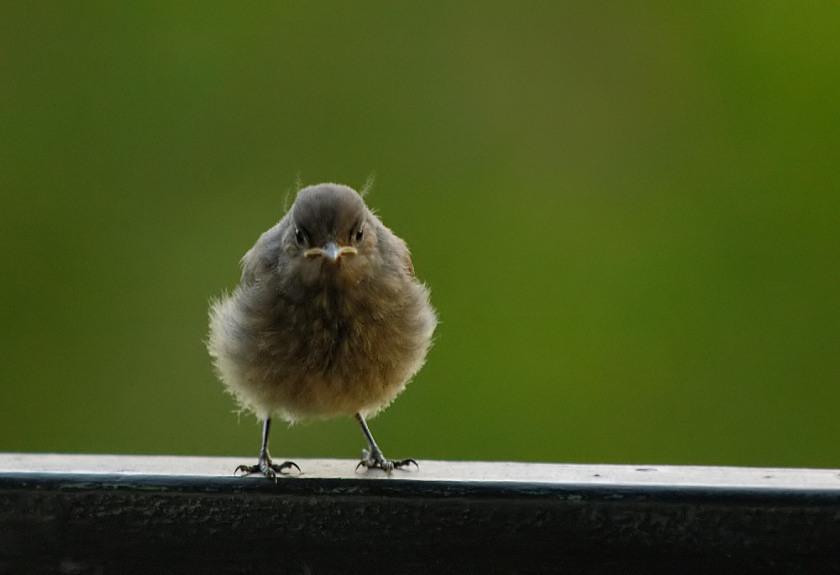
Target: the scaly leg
(264, 465)
(373, 458)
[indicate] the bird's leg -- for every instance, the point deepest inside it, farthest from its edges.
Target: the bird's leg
(264, 465)
(373, 457)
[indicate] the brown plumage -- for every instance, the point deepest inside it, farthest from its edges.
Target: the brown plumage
(328, 319)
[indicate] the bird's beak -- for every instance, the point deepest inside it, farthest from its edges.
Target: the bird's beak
(331, 250)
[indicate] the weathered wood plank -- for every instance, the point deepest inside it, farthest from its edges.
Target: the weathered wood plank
(98, 513)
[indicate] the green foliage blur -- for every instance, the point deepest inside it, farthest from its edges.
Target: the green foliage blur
(629, 217)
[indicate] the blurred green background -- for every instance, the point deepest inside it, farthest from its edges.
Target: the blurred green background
(629, 217)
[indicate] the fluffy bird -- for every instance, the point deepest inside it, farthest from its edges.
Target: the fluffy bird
(328, 320)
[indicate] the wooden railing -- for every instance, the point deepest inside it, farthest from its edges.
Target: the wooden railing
(131, 514)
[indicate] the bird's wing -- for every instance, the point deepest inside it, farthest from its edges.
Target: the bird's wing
(409, 267)
(261, 259)
(403, 253)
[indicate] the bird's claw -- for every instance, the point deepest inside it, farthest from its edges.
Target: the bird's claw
(376, 460)
(267, 468)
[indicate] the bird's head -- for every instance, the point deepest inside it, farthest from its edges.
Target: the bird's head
(332, 232)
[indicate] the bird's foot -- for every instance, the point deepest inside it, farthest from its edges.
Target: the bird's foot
(267, 468)
(374, 459)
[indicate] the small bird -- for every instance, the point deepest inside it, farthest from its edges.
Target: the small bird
(328, 320)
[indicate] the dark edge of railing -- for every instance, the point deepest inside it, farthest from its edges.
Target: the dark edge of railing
(118, 522)
(362, 487)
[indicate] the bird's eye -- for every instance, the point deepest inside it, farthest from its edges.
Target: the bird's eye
(360, 234)
(299, 237)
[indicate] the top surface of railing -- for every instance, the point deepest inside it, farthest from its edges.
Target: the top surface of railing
(477, 472)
